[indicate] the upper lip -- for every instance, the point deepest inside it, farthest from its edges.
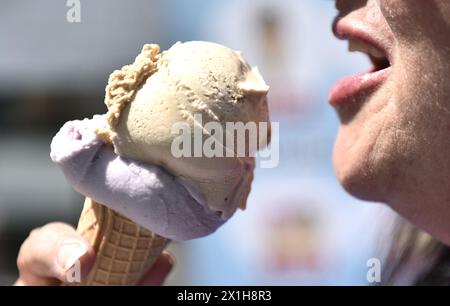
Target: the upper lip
(353, 32)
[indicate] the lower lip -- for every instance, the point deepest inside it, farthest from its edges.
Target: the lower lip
(346, 89)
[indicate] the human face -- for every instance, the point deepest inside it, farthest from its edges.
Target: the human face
(393, 144)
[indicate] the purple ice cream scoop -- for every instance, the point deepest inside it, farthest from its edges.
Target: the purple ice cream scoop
(147, 194)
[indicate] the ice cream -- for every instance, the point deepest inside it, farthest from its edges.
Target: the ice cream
(146, 193)
(190, 78)
(124, 161)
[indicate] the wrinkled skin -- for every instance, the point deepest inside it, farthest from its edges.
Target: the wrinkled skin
(393, 145)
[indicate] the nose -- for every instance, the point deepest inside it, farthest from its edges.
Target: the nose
(345, 7)
(334, 26)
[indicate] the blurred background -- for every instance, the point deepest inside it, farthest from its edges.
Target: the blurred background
(300, 227)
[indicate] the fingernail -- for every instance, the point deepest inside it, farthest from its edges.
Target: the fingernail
(69, 253)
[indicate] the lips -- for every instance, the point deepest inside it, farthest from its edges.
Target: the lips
(346, 90)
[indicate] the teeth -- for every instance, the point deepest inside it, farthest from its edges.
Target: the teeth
(359, 46)
(376, 53)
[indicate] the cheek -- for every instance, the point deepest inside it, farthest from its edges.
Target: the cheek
(415, 21)
(420, 91)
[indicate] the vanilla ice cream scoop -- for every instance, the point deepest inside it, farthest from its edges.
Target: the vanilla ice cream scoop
(189, 81)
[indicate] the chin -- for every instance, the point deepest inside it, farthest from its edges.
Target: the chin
(359, 175)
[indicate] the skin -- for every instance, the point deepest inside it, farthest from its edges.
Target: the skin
(393, 145)
(40, 262)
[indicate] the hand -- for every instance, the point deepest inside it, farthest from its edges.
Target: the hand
(51, 250)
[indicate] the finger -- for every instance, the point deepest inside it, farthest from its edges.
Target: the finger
(156, 275)
(49, 254)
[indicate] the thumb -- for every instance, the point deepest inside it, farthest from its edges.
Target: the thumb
(53, 254)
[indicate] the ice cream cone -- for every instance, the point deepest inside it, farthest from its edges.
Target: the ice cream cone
(125, 250)
(188, 87)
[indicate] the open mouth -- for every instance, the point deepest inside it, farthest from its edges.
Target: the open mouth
(347, 89)
(377, 57)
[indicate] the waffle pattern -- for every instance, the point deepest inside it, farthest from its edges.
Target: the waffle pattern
(124, 249)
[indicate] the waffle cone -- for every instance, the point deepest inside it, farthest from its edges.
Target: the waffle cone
(125, 250)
